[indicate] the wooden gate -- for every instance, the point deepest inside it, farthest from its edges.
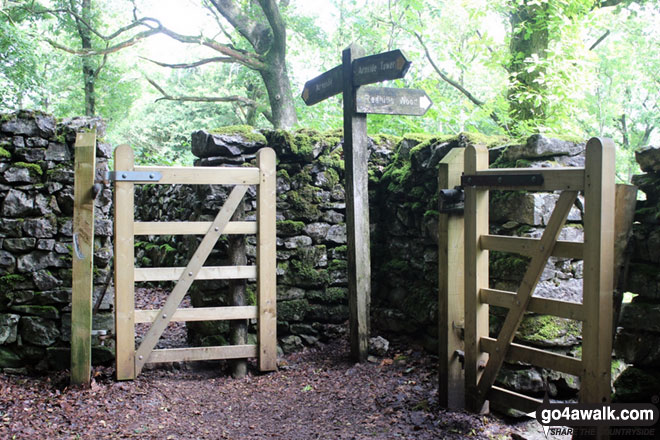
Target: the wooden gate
(484, 355)
(130, 360)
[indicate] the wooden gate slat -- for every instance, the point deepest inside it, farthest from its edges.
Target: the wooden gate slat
(202, 353)
(191, 228)
(188, 276)
(205, 273)
(510, 399)
(224, 313)
(543, 306)
(536, 356)
(524, 294)
(528, 246)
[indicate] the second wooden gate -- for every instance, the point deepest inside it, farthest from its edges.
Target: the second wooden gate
(130, 360)
(484, 356)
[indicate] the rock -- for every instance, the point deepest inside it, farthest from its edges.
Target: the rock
(19, 244)
(44, 280)
(638, 347)
(20, 125)
(38, 331)
(232, 143)
(17, 204)
(332, 217)
(46, 244)
(7, 262)
(379, 346)
(37, 260)
(336, 234)
(549, 331)
(57, 153)
(291, 344)
(540, 146)
(639, 315)
(9, 358)
(648, 159)
(317, 231)
(49, 312)
(526, 208)
(40, 227)
(8, 328)
(296, 242)
(522, 380)
(292, 310)
(21, 174)
(637, 385)
(644, 279)
(330, 295)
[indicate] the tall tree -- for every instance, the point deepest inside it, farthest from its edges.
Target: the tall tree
(262, 47)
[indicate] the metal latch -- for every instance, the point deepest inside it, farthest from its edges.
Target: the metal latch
(134, 176)
(452, 201)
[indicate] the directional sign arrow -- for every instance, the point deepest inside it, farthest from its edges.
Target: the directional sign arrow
(323, 86)
(390, 101)
(380, 67)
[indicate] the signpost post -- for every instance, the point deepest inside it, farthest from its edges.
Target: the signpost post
(357, 70)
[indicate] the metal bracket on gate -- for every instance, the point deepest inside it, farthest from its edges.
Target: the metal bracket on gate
(452, 201)
(134, 176)
(495, 180)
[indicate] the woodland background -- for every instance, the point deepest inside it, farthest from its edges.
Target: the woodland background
(158, 70)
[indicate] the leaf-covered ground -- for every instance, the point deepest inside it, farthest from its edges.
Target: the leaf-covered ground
(317, 394)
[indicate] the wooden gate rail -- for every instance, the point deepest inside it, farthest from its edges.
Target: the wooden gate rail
(484, 356)
(129, 360)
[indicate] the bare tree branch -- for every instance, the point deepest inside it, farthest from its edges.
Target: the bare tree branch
(192, 65)
(241, 100)
(108, 50)
(600, 40)
(247, 59)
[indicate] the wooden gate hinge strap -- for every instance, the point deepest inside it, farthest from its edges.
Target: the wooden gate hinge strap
(495, 180)
(134, 176)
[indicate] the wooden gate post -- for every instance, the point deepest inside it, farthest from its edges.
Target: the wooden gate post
(476, 277)
(83, 258)
(124, 270)
(356, 154)
(598, 267)
(451, 313)
(266, 260)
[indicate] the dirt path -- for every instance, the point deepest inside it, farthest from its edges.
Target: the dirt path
(318, 394)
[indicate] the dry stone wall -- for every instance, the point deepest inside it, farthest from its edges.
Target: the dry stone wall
(36, 189)
(36, 209)
(638, 337)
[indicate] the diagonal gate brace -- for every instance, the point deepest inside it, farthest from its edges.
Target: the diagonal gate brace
(187, 277)
(524, 294)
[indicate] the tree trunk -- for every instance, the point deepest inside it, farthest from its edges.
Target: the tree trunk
(278, 86)
(238, 328)
(89, 73)
(529, 36)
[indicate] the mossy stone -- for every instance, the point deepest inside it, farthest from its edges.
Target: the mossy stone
(293, 310)
(9, 358)
(246, 131)
(290, 228)
(549, 331)
(637, 385)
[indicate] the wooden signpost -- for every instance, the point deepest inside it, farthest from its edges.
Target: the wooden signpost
(357, 70)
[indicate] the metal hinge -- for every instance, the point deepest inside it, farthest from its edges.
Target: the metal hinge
(134, 176)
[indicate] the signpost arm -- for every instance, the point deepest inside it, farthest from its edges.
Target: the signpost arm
(356, 155)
